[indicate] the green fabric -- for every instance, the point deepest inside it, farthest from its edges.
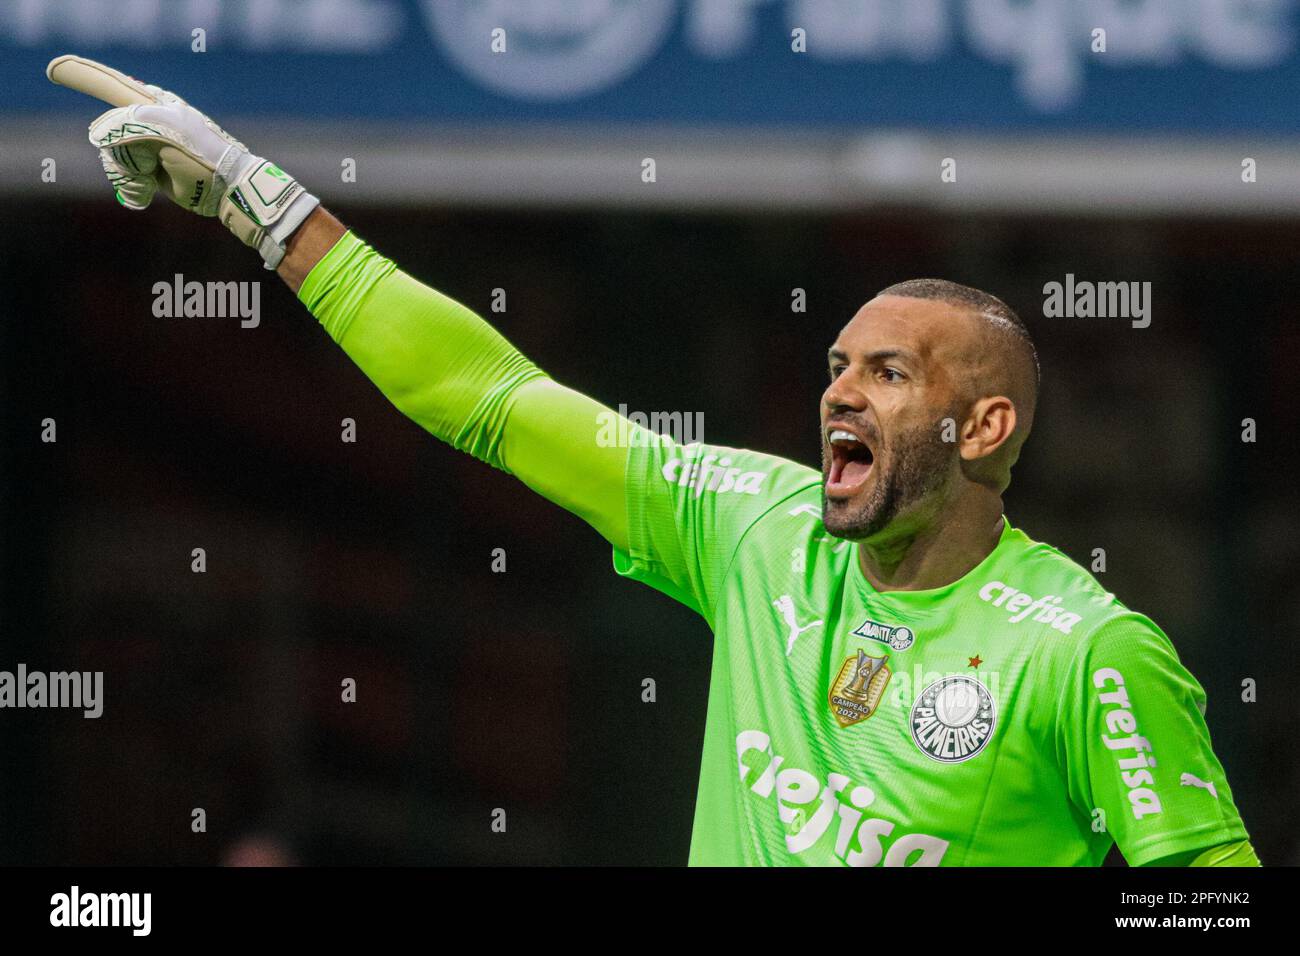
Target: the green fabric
(436, 360)
(1019, 715)
(997, 734)
(1240, 853)
(455, 375)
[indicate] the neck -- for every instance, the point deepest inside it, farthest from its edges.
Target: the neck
(934, 550)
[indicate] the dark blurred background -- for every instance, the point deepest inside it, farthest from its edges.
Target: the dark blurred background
(776, 171)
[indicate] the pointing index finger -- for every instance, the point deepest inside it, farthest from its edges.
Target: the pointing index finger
(97, 80)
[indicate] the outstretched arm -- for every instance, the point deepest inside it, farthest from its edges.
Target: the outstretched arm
(436, 360)
(451, 372)
(306, 247)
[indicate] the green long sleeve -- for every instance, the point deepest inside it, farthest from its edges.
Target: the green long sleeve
(1239, 853)
(452, 373)
(1230, 854)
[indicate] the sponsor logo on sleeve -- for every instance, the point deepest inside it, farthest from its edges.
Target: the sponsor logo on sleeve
(711, 473)
(1133, 769)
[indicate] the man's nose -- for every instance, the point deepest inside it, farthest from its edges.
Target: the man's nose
(843, 396)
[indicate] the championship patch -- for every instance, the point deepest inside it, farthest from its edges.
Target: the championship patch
(857, 689)
(953, 718)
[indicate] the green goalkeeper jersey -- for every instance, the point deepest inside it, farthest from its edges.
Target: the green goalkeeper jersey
(1018, 716)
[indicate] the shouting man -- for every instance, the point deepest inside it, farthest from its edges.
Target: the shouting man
(900, 677)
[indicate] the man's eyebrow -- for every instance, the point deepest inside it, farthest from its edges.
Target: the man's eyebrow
(879, 355)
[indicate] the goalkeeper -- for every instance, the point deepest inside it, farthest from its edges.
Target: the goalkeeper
(900, 677)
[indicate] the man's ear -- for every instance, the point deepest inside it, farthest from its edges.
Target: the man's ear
(988, 427)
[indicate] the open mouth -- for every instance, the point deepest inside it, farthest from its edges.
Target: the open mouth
(851, 463)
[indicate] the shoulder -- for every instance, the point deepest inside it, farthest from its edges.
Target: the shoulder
(1038, 581)
(1093, 624)
(719, 479)
(722, 470)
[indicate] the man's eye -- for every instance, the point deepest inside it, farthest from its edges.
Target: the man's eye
(892, 375)
(835, 371)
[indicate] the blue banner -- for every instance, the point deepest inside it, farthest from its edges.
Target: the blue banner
(1115, 66)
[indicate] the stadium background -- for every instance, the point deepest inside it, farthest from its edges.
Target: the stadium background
(775, 171)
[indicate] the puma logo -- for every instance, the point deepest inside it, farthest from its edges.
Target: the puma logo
(1188, 780)
(785, 604)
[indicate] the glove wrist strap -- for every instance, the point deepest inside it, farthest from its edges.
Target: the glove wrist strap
(272, 246)
(265, 206)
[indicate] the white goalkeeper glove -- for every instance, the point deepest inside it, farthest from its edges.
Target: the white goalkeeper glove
(153, 140)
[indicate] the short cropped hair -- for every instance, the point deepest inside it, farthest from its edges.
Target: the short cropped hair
(1001, 317)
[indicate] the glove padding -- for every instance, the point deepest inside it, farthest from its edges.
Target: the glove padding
(160, 142)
